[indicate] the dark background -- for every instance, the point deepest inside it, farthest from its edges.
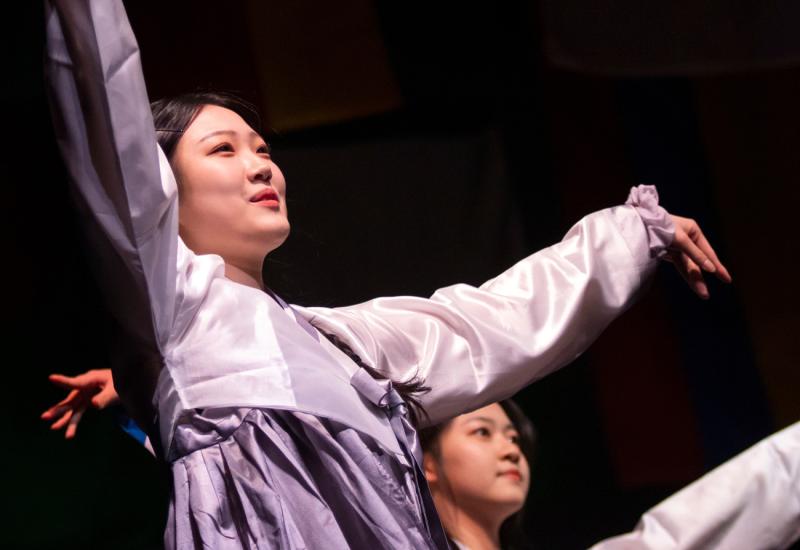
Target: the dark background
(425, 144)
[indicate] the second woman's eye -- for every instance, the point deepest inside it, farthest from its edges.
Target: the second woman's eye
(265, 149)
(482, 432)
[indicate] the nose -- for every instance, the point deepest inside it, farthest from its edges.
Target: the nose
(510, 451)
(260, 171)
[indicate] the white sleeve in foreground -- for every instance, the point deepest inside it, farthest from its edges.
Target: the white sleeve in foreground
(752, 502)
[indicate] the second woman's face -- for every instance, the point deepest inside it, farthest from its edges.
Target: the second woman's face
(480, 463)
(232, 196)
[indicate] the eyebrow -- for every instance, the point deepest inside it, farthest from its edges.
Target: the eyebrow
(488, 420)
(227, 132)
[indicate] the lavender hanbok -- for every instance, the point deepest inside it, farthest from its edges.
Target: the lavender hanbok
(275, 438)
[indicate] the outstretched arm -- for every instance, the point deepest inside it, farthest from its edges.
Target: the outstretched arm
(752, 502)
(474, 346)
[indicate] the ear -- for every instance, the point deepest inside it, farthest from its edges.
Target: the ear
(431, 469)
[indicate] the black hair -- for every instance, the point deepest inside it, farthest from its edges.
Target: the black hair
(512, 531)
(410, 390)
(172, 116)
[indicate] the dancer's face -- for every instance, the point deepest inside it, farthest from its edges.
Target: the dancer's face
(232, 196)
(480, 466)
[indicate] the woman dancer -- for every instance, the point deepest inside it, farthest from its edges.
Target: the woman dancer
(478, 468)
(277, 436)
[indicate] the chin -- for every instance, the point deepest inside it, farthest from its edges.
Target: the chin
(276, 237)
(510, 508)
(511, 500)
(283, 233)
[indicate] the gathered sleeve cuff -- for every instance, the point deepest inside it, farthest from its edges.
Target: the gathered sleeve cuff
(658, 223)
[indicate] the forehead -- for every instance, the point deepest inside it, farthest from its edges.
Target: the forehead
(212, 118)
(492, 412)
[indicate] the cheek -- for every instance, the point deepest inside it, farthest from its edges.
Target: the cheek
(212, 180)
(209, 192)
(209, 212)
(469, 469)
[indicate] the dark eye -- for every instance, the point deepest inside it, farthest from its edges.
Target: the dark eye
(514, 438)
(265, 149)
(222, 148)
(483, 432)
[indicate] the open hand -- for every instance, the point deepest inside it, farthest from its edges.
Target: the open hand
(692, 254)
(94, 387)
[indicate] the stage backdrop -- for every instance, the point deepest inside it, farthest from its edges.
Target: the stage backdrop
(424, 145)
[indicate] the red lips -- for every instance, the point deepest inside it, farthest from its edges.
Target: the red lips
(267, 194)
(512, 473)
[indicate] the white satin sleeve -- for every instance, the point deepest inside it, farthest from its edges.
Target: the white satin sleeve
(474, 346)
(122, 182)
(752, 502)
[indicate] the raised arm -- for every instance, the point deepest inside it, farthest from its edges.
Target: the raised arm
(474, 346)
(751, 502)
(121, 181)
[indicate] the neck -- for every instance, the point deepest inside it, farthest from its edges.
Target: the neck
(249, 277)
(475, 531)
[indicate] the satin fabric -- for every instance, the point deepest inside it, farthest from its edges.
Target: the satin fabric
(224, 344)
(217, 349)
(752, 502)
(285, 479)
(477, 345)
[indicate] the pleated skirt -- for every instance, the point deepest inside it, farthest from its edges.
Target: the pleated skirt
(256, 478)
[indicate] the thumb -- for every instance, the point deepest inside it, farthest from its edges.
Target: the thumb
(104, 398)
